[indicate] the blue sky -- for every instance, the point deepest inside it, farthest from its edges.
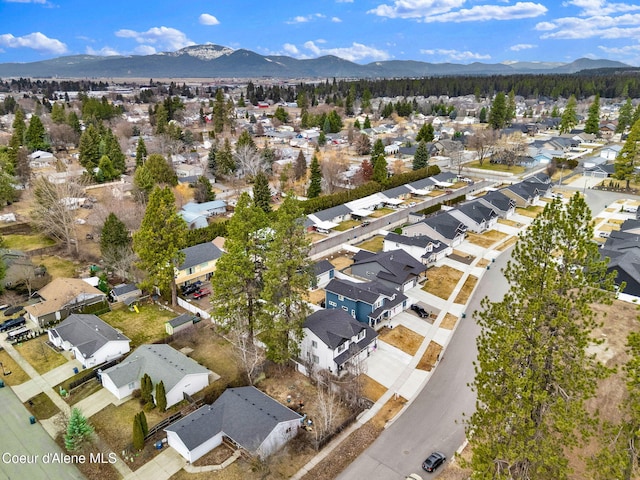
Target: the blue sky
(363, 31)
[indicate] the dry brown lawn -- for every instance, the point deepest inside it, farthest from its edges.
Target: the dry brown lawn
(506, 221)
(341, 260)
(615, 221)
(486, 239)
(401, 337)
(531, 212)
(17, 375)
(315, 296)
(442, 281)
(388, 411)
(467, 288)
(374, 244)
(449, 321)
(315, 237)
(483, 262)
(56, 266)
(41, 406)
(381, 212)
(506, 244)
(39, 355)
(430, 357)
(372, 389)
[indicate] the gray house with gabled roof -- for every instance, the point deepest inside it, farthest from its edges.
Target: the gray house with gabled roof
(333, 340)
(323, 272)
(501, 203)
(421, 247)
(526, 193)
(246, 416)
(395, 268)
(91, 340)
(422, 186)
(477, 216)
(199, 263)
(179, 373)
(443, 227)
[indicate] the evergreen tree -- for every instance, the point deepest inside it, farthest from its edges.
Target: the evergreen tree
(161, 396)
(425, 133)
(367, 122)
(636, 115)
(245, 139)
(160, 170)
(212, 159)
(74, 122)
(498, 112)
(224, 157)
(115, 234)
(141, 152)
(377, 151)
(380, 173)
(78, 431)
(315, 181)
(106, 171)
(482, 116)
(146, 388)
(625, 161)
(510, 113)
(555, 113)
(219, 117)
(89, 148)
(300, 166)
(159, 241)
(58, 115)
(143, 423)
(237, 281)
(421, 157)
(322, 138)
(19, 127)
(569, 118)
(592, 125)
(203, 190)
(162, 119)
(138, 434)
(534, 371)
(287, 279)
(357, 125)
(262, 192)
(624, 116)
(35, 137)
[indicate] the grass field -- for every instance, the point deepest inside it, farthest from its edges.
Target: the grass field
(516, 169)
(442, 281)
(430, 357)
(39, 355)
(41, 406)
(401, 337)
(532, 211)
(485, 239)
(57, 267)
(374, 244)
(381, 212)
(347, 225)
(17, 375)
(466, 289)
(144, 327)
(27, 242)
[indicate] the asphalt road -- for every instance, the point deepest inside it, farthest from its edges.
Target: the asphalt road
(434, 419)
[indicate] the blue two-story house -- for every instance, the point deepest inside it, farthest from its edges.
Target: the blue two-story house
(368, 302)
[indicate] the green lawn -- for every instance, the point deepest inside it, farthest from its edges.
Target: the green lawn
(143, 327)
(27, 242)
(56, 267)
(41, 406)
(373, 244)
(381, 212)
(41, 357)
(516, 169)
(348, 225)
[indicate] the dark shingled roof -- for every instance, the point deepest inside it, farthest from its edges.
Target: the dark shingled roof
(198, 254)
(244, 414)
(367, 292)
(87, 333)
(499, 200)
(322, 266)
(335, 326)
(398, 265)
(446, 225)
(477, 211)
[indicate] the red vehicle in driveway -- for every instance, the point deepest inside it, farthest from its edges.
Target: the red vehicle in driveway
(204, 292)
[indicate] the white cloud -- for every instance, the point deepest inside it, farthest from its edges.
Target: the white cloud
(521, 46)
(456, 54)
(354, 53)
(622, 26)
(206, 19)
(103, 52)
(600, 7)
(35, 41)
(430, 11)
(336, 20)
(144, 50)
(158, 38)
(305, 18)
(291, 49)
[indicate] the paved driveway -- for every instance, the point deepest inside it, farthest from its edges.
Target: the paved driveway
(387, 363)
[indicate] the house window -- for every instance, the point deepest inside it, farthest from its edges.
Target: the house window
(316, 359)
(362, 334)
(340, 297)
(333, 304)
(341, 348)
(346, 309)
(132, 385)
(190, 271)
(314, 344)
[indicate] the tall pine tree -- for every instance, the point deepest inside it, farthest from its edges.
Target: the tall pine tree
(262, 192)
(592, 125)
(421, 157)
(315, 181)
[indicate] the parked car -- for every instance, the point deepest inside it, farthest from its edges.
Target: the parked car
(604, 234)
(205, 292)
(191, 288)
(12, 323)
(365, 223)
(433, 461)
(422, 313)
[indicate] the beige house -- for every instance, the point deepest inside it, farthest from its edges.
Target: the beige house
(62, 297)
(199, 263)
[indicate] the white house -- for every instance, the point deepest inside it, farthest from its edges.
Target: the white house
(333, 340)
(179, 373)
(421, 247)
(92, 341)
(247, 417)
(40, 159)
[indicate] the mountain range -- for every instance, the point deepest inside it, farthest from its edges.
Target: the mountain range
(215, 61)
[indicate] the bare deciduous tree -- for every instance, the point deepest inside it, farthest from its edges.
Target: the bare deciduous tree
(327, 404)
(333, 165)
(250, 356)
(249, 161)
(55, 210)
(121, 260)
(483, 142)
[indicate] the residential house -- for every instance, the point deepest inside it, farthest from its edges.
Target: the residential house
(325, 220)
(367, 302)
(604, 170)
(422, 187)
(395, 268)
(420, 247)
(247, 417)
(333, 340)
(184, 170)
(61, 297)
(180, 374)
(623, 249)
(323, 272)
(40, 159)
(194, 220)
(610, 152)
(362, 207)
(91, 340)
(442, 227)
(199, 263)
(206, 209)
(501, 203)
(525, 194)
(477, 216)
(397, 195)
(20, 269)
(125, 293)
